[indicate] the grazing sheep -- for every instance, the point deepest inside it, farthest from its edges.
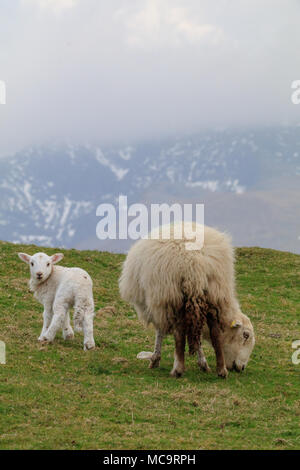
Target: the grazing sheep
(182, 291)
(59, 288)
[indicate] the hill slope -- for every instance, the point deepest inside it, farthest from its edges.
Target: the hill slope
(58, 397)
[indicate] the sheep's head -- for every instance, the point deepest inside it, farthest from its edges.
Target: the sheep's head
(238, 343)
(40, 265)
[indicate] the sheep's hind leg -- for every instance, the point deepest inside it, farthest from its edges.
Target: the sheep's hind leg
(202, 362)
(178, 367)
(68, 332)
(89, 342)
(155, 358)
(216, 342)
(84, 315)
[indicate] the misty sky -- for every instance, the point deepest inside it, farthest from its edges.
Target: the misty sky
(98, 70)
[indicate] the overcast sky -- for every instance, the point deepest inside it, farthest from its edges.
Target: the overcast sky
(86, 70)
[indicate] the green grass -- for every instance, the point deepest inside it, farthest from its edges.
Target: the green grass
(60, 397)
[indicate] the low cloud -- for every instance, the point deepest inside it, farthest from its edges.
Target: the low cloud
(158, 24)
(87, 70)
(55, 6)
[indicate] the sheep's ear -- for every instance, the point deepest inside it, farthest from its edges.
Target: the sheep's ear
(24, 257)
(56, 258)
(235, 324)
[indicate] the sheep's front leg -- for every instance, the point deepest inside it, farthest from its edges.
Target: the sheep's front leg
(47, 317)
(202, 362)
(155, 358)
(178, 367)
(60, 311)
(216, 342)
(68, 332)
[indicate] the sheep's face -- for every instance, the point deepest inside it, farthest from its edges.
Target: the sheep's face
(238, 343)
(40, 265)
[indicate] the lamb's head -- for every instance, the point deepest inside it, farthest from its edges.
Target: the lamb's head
(41, 265)
(238, 342)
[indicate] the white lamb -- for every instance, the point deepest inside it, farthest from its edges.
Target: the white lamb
(58, 289)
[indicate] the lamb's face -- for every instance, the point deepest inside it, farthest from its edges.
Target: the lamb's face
(238, 343)
(40, 264)
(40, 267)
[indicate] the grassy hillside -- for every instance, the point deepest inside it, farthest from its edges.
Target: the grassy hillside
(58, 396)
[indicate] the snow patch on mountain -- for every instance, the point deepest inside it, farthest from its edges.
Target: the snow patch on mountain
(119, 172)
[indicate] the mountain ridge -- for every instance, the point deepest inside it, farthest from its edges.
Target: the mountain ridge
(49, 194)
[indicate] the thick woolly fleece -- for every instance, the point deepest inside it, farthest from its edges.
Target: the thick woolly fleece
(166, 283)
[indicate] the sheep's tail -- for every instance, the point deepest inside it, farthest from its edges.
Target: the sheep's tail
(195, 314)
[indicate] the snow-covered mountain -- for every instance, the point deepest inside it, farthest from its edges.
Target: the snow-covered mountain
(248, 180)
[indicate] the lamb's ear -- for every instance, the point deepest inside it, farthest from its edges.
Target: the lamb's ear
(235, 324)
(24, 257)
(56, 258)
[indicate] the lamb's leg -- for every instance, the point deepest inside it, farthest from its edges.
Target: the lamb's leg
(178, 367)
(68, 332)
(202, 362)
(216, 342)
(47, 317)
(84, 315)
(59, 314)
(89, 342)
(155, 358)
